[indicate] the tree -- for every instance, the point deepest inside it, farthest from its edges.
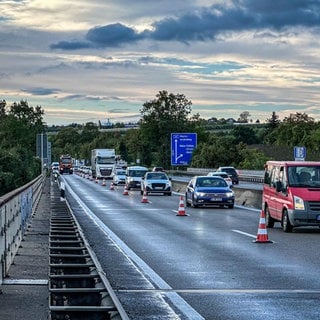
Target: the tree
(252, 159)
(244, 117)
(293, 131)
(18, 129)
(218, 150)
(3, 104)
(162, 116)
(272, 124)
(244, 134)
(298, 118)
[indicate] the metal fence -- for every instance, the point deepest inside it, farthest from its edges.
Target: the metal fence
(255, 176)
(16, 209)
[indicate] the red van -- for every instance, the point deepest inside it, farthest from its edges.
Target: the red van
(291, 194)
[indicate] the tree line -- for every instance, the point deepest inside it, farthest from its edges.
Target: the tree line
(244, 146)
(19, 125)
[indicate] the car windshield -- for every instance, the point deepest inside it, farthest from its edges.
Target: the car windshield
(206, 182)
(157, 176)
(230, 171)
(136, 173)
(222, 175)
(105, 160)
(304, 176)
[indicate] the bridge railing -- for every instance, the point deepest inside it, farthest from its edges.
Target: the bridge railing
(16, 209)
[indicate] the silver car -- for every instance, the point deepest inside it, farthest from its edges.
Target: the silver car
(156, 182)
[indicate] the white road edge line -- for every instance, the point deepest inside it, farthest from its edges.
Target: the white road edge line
(30, 282)
(175, 298)
(245, 233)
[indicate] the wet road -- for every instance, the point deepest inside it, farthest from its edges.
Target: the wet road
(201, 266)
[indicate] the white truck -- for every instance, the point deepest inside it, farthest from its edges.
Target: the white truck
(102, 163)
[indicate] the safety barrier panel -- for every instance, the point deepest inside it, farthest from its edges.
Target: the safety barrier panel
(16, 209)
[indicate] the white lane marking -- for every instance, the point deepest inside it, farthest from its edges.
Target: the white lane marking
(25, 281)
(206, 291)
(244, 233)
(177, 301)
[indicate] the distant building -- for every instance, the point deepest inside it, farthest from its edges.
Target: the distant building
(105, 124)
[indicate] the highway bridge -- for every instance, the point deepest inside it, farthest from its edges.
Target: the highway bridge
(201, 265)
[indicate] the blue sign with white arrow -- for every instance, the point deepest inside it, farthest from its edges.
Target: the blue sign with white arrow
(182, 146)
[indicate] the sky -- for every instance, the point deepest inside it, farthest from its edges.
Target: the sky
(97, 60)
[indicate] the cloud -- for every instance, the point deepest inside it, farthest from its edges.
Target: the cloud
(207, 23)
(41, 91)
(70, 45)
(112, 35)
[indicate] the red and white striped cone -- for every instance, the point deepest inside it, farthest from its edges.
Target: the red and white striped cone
(125, 191)
(262, 235)
(97, 180)
(144, 197)
(181, 210)
(104, 182)
(111, 186)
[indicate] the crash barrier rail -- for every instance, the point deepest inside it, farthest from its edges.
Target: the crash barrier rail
(16, 209)
(78, 288)
(254, 176)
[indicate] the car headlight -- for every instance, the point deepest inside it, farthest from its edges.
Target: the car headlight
(229, 194)
(298, 203)
(200, 194)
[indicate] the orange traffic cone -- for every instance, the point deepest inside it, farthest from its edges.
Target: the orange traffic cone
(262, 235)
(125, 191)
(181, 210)
(103, 182)
(144, 197)
(97, 181)
(111, 186)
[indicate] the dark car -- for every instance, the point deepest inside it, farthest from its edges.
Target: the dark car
(158, 169)
(232, 172)
(209, 190)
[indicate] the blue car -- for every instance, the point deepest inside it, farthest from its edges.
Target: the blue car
(209, 190)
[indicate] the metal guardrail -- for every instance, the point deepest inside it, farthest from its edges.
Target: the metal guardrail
(77, 285)
(254, 176)
(16, 209)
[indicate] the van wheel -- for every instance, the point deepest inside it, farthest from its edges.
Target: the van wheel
(269, 220)
(286, 225)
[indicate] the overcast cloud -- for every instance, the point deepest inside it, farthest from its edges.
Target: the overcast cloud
(93, 60)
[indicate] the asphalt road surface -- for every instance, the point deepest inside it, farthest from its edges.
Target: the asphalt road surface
(204, 265)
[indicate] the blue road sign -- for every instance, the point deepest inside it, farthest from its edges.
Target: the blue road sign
(300, 153)
(182, 146)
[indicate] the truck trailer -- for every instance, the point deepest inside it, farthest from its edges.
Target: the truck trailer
(102, 163)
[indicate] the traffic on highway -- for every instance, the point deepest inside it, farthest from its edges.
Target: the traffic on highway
(204, 264)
